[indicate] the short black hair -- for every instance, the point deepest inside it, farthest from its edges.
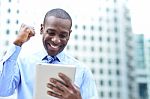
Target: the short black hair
(58, 13)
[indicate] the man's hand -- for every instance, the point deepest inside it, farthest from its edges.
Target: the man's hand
(25, 33)
(64, 89)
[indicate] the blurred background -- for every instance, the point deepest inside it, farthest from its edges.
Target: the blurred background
(111, 37)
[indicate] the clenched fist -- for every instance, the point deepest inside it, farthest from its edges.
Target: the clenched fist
(25, 33)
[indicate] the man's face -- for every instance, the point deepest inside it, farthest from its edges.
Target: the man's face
(56, 33)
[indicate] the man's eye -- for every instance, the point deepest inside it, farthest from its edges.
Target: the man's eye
(63, 36)
(50, 32)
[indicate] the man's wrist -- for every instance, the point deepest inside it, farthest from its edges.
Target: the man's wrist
(18, 43)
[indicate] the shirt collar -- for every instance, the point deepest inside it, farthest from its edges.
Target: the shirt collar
(60, 55)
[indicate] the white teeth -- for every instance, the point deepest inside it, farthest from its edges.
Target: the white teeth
(54, 46)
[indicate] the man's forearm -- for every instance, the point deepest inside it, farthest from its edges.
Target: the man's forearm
(9, 71)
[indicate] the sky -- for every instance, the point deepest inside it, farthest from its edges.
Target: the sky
(140, 16)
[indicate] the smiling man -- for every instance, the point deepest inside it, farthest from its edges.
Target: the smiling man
(17, 66)
(56, 33)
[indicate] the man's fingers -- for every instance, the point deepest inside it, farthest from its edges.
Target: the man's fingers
(26, 32)
(31, 31)
(55, 88)
(27, 28)
(67, 81)
(51, 93)
(65, 78)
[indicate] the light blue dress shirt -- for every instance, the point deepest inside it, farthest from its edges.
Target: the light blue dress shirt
(17, 69)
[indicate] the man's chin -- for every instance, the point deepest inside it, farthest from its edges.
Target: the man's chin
(52, 53)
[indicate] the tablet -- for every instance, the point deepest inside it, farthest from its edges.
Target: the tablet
(44, 72)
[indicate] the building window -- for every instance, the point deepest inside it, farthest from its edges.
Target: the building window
(76, 37)
(118, 83)
(100, 38)
(92, 60)
(76, 47)
(101, 94)
(92, 27)
(117, 72)
(101, 71)
(143, 92)
(101, 60)
(84, 37)
(115, 20)
(76, 26)
(92, 38)
(108, 39)
(109, 83)
(109, 61)
(100, 28)
(100, 49)
(17, 11)
(116, 40)
(8, 21)
(84, 27)
(107, 10)
(7, 31)
(115, 1)
(101, 82)
(68, 47)
(16, 32)
(109, 72)
(110, 94)
(9, 10)
(93, 70)
(92, 49)
(118, 95)
(115, 11)
(115, 29)
(117, 61)
(17, 21)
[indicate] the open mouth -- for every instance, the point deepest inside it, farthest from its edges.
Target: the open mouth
(52, 47)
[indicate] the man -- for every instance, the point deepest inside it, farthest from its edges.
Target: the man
(17, 66)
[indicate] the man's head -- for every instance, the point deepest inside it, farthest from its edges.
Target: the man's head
(56, 29)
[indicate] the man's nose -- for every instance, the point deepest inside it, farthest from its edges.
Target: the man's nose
(56, 39)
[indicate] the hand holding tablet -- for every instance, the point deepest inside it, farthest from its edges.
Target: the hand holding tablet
(52, 79)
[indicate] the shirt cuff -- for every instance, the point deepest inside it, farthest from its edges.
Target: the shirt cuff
(12, 54)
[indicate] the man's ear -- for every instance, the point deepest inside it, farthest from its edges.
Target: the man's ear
(70, 32)
(41, 30)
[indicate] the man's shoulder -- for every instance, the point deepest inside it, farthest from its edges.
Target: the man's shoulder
(73, 60)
